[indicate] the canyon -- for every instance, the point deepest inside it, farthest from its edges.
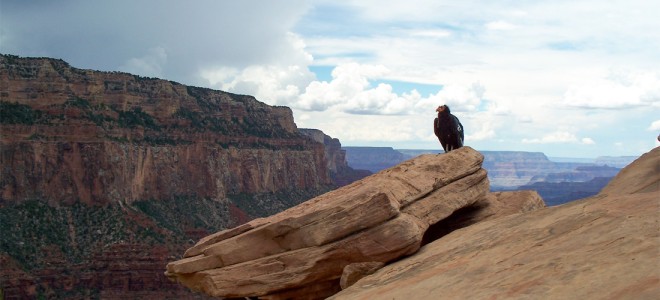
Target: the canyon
(119, 186)
(105, 176)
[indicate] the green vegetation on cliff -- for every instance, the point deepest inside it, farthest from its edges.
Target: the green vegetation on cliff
(109, 118)
(14, 113)
(266, 204)
(136, 117)
(35, 234)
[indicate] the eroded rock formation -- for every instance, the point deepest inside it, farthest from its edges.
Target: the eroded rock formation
(603, 247)
(303, 251)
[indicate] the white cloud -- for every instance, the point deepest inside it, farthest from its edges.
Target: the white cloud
(350, 82)
(350, 91)
(500, 25)
(275, 84)
(655, 126)
(457, 97)
(221, 77)
(618, 90)
(379, 100)
(588, 141)
(368, 128)
(555, 137)
(151, 64)
(431, 33)
(559, 138)
(486, 131)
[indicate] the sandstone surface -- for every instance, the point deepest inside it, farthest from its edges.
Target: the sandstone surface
(302, 252)
(603, 247)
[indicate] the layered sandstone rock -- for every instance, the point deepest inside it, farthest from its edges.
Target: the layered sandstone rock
(303, 251)
(603, 247)
(107, 172)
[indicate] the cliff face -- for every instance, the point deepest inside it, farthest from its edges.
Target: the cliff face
(99, 137)
(104, 172)
(105, 176)
(340, 173)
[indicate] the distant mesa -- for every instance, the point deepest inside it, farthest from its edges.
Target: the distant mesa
(558, 180)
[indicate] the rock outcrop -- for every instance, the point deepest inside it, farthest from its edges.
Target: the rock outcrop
(603, 247)
(303, 251)
(639, 177)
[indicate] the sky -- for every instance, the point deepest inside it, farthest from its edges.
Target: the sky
(577, 78)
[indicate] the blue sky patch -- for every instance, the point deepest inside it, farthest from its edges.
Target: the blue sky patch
(324, 73)
(400, 87)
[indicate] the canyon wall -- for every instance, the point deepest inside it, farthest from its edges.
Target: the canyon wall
(99, 170)
(340, 171)
(98, 137)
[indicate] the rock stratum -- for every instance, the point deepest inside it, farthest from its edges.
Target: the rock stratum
(313, 249)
